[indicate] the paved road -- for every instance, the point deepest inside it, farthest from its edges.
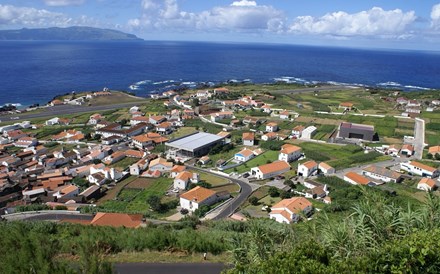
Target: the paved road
(50, 112)
(419, 138)
(170, 268)
(48, 216)
(229, 208)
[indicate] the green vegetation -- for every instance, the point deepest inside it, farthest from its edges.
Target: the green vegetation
(266, 157)
(130, 200)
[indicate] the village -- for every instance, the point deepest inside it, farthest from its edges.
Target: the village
(217, 153)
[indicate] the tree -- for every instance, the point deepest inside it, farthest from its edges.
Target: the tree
(253, 200)
(202, 210)
(273, 191)
(155, 204)
(123, 122)
(429, 156)
(437, 157)
(285, 195)
(96, 161)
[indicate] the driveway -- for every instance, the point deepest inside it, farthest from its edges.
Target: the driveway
(419, 138)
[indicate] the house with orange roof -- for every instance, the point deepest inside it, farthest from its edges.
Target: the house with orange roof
(271, 127)
(266, 109)
(199, 196)
(284, 115)
(297, 131)
(289, 153)
(114, 157)
(221, 115)
(244, 155)
(160, 164)
(222, 90)
(407, 150)
(67, 191)
(307, 169)
(117, 220)
(157, 119)
(325, 168)
(383, 174)
(151, 174)
(135, 153)
(346, 105)
(393, 150)
(427, 184)
(95, 118)
(15, 134)
(290, 210)
(184, 178)
(56, 102)
(139, 166)
(248, 138)
(419, 169)
(204, 160)
(26, 142)
(139, 119)
(356, 179)
(164, 128)
(176, 170)
(269, 136)
(270, 170)
(142, 141)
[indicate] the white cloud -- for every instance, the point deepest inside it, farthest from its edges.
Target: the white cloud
(17, 17)
(59, 3)
(435, 17)
(244, 3)
(240, 15)
(24, 16)
(373, 22)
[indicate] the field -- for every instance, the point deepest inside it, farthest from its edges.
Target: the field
(133, 197)
(124, 163)
(339, 156)
(212, 180)
(116, 97)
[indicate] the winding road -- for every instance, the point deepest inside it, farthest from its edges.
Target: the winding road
(229, 208)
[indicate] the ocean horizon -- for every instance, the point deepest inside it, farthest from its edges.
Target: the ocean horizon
(36, 71)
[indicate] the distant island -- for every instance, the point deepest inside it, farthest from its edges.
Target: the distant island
(68, 34)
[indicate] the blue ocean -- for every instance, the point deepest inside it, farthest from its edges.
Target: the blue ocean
(35, 71)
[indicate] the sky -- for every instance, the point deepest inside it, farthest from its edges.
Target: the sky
(397, 24)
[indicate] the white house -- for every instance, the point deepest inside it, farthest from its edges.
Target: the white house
(297, 131)
(270, 170)
(269, 136)
(382, 174)
(284, 115)
(307, 169)
(26, 142)
(164, 128)
(289, 153)
(290, 210)
(53, 121)
(155, 120)
(407, 150)
(325, 168)
(244, 155)
(196, 197)
(248, 138)
(68, 191)
(176, 170)
(427, 184)
(419, 169)
(393, 150)
(183, 178)
(308, 132)
(266, 109)
(356, 179)
(160, 164)
(139, 119)
(271, 127)
(138, 167)
(222, 115)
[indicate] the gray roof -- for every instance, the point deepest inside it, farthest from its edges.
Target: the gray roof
(194, 141)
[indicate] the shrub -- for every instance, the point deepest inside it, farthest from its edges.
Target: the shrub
(253, 200)
(273, 191)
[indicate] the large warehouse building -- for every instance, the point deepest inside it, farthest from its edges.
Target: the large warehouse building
(193, 145)
(356, 131)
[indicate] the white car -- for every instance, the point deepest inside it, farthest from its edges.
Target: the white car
(15, 118)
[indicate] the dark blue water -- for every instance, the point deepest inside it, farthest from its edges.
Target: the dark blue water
(34, 72)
